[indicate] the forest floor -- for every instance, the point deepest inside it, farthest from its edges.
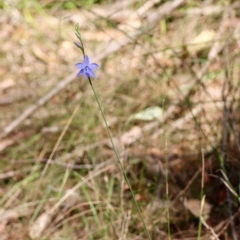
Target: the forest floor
(168, 82)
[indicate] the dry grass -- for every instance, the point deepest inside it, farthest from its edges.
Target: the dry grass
(58, 170)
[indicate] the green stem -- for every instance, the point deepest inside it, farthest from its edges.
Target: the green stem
(119, 161)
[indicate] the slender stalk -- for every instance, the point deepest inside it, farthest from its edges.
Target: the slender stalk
(201, 197)
(119, 161)
(167, 177)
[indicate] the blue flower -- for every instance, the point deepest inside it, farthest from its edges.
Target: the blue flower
(86, 68)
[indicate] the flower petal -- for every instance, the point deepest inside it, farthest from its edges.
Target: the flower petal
(93, 66)
(80, 73)
(86, 60)
(86, 74)
(91, 73)
(80, 65)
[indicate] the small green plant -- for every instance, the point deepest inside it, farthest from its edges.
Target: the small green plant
(86, 68)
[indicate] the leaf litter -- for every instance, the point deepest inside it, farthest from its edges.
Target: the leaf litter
(145, 70)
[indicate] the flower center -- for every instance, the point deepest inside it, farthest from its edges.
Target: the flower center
(86, 68)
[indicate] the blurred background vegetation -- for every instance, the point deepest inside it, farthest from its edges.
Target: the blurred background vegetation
(168, 82)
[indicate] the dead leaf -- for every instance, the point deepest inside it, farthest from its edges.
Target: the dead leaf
(6, 143)
(7, 83)
(42, 55)
(154, 152)
(36, 230)
(131, 136)
(15, 213)
(201, 41)
(194, 206)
